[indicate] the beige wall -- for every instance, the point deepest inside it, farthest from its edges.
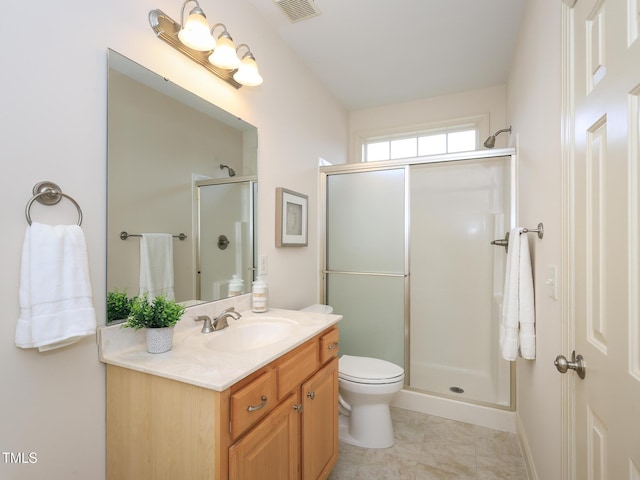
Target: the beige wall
(54, 109)
(54, 128)
(534, 108)
(489, 103)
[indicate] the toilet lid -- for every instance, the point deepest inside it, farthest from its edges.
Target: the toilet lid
(368, 370)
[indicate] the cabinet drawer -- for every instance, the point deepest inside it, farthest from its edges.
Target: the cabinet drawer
(298, 367)
(329, 345)
(252, 402)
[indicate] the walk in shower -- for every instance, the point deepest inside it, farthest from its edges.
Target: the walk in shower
(409, 264)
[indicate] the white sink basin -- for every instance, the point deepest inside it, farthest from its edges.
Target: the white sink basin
(249, 334)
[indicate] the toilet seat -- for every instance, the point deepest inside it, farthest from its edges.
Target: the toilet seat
(368, 370)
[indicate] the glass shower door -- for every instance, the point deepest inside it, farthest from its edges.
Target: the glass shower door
(410, 266)
(365, 271)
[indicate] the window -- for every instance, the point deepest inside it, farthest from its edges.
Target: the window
(460, 138)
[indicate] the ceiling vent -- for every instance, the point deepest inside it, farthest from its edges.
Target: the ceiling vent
(297, 10)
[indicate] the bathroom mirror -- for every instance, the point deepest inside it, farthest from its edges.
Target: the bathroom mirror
(177, 165)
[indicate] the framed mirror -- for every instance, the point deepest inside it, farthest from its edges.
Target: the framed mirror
(177, 165)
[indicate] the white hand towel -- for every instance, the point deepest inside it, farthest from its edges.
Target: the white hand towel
(56, 299)
(517, 326)
(156, 265)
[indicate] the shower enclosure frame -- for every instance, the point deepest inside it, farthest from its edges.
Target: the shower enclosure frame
(405, 164)
(252, 182)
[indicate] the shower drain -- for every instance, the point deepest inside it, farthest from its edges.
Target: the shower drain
(457, 389)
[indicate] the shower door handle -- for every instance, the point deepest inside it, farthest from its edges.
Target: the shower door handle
(576, 363)
(502, 242)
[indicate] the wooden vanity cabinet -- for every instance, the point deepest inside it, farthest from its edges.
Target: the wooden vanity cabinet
(320, 423)
(164, 429)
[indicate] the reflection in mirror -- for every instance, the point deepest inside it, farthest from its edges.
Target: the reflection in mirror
(225, 240)
(165, 145)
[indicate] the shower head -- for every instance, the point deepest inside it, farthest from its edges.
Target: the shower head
(491, 141)
(232, 172)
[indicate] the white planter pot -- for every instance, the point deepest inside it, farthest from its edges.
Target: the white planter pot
(159, 340)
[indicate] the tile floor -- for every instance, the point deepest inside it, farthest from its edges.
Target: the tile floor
(433, 448)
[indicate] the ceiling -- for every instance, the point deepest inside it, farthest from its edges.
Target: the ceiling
(377, 52)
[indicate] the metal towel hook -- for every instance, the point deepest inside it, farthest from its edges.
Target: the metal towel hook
(48, 193)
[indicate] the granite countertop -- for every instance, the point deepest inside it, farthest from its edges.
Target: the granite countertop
(214, 360)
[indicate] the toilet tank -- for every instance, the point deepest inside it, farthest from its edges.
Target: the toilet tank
(318, 308)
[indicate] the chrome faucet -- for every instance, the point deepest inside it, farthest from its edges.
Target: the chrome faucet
(219, 322)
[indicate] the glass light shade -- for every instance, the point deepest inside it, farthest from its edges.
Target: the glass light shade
(247, 73)
(224, 55)
(195, 33)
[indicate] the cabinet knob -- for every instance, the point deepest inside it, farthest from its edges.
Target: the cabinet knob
(298, 407)
(311, 395)
(333, 345)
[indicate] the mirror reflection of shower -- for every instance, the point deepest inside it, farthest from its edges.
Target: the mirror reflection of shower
(232, 172)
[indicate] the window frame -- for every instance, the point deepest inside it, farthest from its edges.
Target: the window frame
(479, 123)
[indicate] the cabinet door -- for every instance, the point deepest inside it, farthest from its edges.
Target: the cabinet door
(272, 449)
(320, 423)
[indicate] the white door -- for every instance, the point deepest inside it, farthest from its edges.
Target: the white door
(604, 249)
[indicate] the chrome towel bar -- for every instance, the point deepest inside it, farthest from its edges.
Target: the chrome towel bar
(124, 235)
(48, 193)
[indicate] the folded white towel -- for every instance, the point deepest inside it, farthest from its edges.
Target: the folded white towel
(156, 265)
(55, 291)
(517, 326)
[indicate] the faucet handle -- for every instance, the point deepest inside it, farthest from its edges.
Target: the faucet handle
(206, 327)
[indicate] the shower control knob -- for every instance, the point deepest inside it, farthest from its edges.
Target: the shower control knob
(577, 363)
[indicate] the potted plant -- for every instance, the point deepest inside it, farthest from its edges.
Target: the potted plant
(158, 316)
(118, 306)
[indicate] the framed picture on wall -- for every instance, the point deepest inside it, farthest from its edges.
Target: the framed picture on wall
(291, 218)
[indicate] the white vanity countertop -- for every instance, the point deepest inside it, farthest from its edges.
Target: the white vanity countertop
(202, 358)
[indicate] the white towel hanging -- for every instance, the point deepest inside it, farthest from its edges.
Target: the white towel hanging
(56, 302)
(517, 326)
(156, 265)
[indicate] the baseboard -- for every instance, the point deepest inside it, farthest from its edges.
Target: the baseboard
(526, 451)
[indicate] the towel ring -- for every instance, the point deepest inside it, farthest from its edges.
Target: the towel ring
(48, 193)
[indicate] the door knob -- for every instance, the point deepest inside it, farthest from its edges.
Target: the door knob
(576, 363)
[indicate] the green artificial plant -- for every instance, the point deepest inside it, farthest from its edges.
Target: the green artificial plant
(158, 313)
(118, 305)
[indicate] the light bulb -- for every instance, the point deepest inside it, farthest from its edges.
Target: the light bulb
(195, 32)
(224, 55)
(247, 73)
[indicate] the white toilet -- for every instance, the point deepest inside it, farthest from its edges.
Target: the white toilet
(367, 386)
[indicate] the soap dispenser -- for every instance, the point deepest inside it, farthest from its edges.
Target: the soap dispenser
(259, 297)
(235, 286)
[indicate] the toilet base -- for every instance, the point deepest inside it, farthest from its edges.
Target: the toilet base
(358, 430)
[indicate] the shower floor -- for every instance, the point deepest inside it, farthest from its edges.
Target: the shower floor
(477, 386)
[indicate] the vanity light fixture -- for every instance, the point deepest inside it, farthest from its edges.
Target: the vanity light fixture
(193, 38)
